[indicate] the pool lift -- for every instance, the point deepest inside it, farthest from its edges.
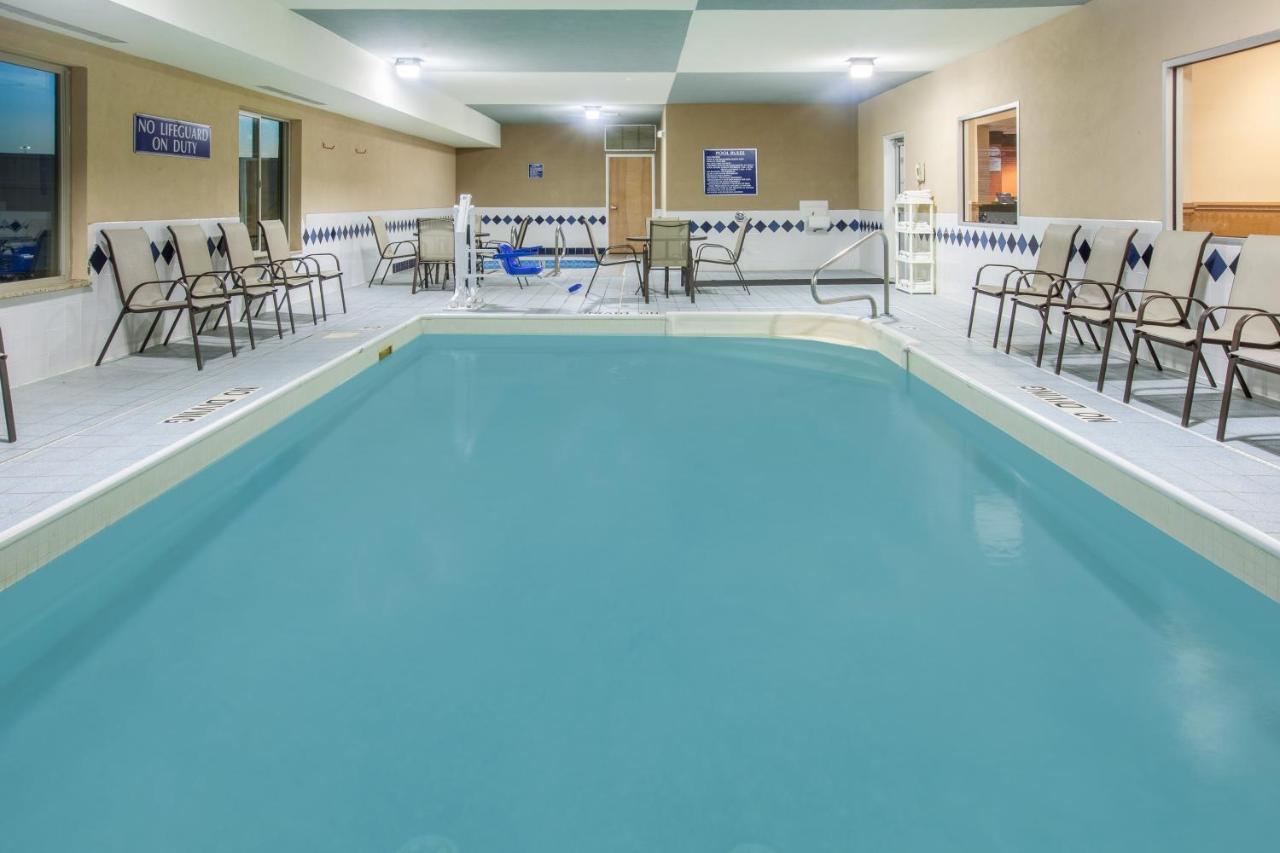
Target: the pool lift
(468, 261)
(860, 297)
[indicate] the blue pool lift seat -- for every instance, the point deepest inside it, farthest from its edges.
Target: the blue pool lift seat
(509, 258)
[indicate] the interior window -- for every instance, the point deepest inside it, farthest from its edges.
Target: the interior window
(1226, 141)
(990, 145)
(30, 173)
(263, 144)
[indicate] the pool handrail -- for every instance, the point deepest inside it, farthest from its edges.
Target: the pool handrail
(813, 279)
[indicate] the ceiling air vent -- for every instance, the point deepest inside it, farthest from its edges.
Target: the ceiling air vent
(630, 137)
(291, 95)
(45, 20)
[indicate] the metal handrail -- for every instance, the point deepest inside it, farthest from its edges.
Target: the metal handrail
(813, 280)
(558, 247)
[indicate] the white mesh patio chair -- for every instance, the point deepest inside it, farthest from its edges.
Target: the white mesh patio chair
(257, 272)
(6, 391)
(195, 262)
(435, 249)
(1255, 338)
(668, 250)
(1052, 260)
(1042, 292)
(611, 256)
(715, 253)
(141, 292)
(1231, 326)
(1175, 266)
(276, 240)
(390, 251)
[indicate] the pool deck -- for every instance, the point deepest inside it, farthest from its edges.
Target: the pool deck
(83, 427)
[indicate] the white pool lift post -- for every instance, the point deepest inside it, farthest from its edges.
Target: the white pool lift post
(468, 267)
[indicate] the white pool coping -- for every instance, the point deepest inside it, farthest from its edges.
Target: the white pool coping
(1240, 549)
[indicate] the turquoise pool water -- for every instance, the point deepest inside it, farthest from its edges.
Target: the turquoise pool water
(617, 595)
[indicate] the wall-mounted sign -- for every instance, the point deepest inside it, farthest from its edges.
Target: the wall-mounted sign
(535, 170)
(729, 171)
(171, 137)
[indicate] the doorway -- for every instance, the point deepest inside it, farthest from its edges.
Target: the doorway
(630, 193)
(264, 145)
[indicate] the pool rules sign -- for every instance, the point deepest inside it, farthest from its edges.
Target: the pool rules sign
(170, 137)
(729, 171)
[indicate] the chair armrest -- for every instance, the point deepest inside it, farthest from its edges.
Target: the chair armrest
(620, 249)
(1076, 285)
(1178, 302)
(337, 265)
(393, 249)
(220, 276)
(708, 246)
(169, 281)
(977, 279)
(1055, 282)
(1207, 316)
(1249, 318)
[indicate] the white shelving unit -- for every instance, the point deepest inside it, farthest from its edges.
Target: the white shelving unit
(916, 222)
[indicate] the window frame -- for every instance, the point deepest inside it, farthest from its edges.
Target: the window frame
(286, 157)
(1016, 106)
(62, 276)
(1171, 217)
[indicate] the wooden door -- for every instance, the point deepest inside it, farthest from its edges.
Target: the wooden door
(630, 198)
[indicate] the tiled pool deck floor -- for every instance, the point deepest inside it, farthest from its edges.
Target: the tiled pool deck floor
(82, 427)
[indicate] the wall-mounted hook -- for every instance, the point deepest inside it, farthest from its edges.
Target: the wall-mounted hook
(360, 150)
(326, 146)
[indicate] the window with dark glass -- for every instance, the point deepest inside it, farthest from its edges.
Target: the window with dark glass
(30, 173)
(990, 159)
(263, 144)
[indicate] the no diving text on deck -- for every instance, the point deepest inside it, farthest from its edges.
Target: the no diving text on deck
(213, 404)
(1066, 404)
(170, 137)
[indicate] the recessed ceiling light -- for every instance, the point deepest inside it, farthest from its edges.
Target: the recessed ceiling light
(861, 69)
(592, 113)
(408, 67)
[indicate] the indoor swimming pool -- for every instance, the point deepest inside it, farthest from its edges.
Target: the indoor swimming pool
(620, 594)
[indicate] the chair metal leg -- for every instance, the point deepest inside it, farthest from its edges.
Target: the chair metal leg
(1062, 344)
(288, 300)
(195, 338)
(312, 294)
(973, 307)
(1133, 365)
(155, 322)
(1079, 339)
(591, 283)
(1196, 358)
(1106, 356)
(1013, 316)
(742, 278)
(114, 329)
(10, 423)
(1088, 327)
(174, 327)
(1044, 330)
(1151, 349)
(231, 330)
(995, 340)
(1244, 386)
(324, 309)
(342, 294)
(1224, 411)
(248, 320)
(275, 300)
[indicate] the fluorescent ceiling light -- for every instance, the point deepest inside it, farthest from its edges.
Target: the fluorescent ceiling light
(408, 68)
(592, 113)
(861, 69)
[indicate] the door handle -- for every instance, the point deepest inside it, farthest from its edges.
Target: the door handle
(613, 207)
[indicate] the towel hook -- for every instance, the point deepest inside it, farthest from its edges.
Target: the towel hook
(359, 150)
(326, 146)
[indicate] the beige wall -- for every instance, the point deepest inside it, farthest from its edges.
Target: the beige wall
(1090, 91)
(572, 155)
(1231, 130)
(804, 152)
(111, 183)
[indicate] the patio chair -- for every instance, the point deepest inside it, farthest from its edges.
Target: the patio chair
(260, 273)
(1175, 267)
(668, 249)
(391, 251)
(276, 239)
(730, 258)
(1043, 292)
(1255, 335)
(1253, 292)
(134, 269)
(6, 390)
(192, 245)
(624, 253)
(435, 248)
(1054, 256)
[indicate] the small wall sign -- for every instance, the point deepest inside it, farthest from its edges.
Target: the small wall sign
(171, 137)
(729, 171)
(535, 171)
